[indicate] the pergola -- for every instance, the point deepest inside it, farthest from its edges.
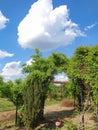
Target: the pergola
(61, 82)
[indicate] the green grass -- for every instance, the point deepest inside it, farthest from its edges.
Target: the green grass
(6, 105)
(51, 102)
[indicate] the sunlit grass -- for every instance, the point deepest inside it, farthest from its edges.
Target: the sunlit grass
(51, 102)
(6, 105)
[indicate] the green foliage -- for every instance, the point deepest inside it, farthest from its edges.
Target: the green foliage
(12, 91)
(69, 125)
(40, 74)
(17, 96)
(93, 71)
(52, 91)
(82, 71)
(2, 87)
(78, 64)
(69, 89)
(59, 62)
(34, 98)
(17, 92)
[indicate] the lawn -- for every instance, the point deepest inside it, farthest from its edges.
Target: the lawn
(6, 105)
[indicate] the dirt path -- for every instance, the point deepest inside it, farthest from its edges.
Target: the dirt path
(52, 114)
(53, 110)
(7, 115)
(57, 111)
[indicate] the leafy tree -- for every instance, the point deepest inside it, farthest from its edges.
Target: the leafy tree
(83, 73)
(2, 87)
(12, 91)
(93, 76)
(5, 88)
(78, 73)
(17, 95)
(8, 86)
(40, 74)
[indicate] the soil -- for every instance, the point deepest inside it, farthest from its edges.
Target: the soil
(53, 113)
(9, 115)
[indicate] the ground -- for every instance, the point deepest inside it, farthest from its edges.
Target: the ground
(53, 113)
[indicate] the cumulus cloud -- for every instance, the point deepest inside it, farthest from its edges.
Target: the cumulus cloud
(62, 77)
(4, 54)
(3, 21)
(11, 70)
(29, 62)
(46, 28)
(90, 27)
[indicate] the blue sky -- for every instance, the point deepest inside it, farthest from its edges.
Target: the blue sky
(50, 25)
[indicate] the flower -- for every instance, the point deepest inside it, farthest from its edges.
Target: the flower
(57, 123)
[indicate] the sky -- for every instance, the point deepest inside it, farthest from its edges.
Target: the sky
(49, 25)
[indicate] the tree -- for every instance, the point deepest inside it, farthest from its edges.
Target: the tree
(93, 76)
(40, 74)
(17, 95)
(83, 73)
(2, 87)
(8, 86)
(78, 73)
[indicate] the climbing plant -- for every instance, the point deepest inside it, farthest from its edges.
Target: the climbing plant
(40, 74)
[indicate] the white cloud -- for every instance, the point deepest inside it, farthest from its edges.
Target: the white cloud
(11, 70)
(90, 27)
(3, 21)
(46, 28)
(4, 54)
(29, 62)
(61, 77)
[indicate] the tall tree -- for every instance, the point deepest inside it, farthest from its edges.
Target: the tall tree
(93, 76)
(78, 73)
(40, 74)
(83, 72)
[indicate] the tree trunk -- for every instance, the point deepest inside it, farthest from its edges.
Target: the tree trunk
(83, 126)
(34, 105)
(97, 114)
(16, 115)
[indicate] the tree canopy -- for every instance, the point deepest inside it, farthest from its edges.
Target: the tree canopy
(40, 74)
